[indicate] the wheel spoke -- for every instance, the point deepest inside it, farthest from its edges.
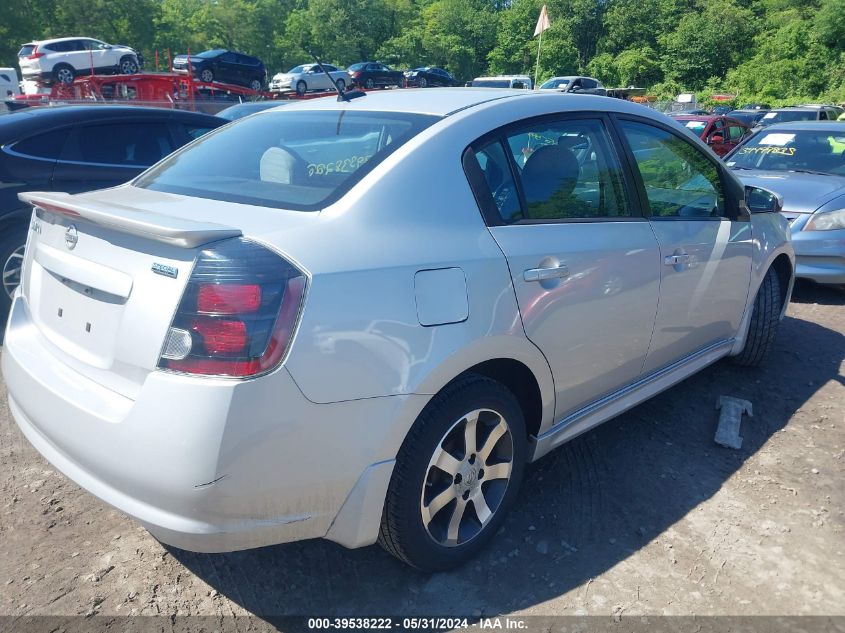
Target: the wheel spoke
(455, 523)
(438, 503)
(495, 435)
(497, 471)
(447, 463)
(471, 433)
(482, 510)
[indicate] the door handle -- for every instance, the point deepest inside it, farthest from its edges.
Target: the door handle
(541, 274)
(676, 260)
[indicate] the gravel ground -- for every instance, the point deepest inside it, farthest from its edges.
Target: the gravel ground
(644, 515)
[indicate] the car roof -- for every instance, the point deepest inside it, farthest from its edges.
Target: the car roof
(807, 126)
(696, 117)
(446, 101)
(793, 108)
(62, 39)
(34, 118)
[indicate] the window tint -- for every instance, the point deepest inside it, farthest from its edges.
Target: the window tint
(125, 143)
(589, 84)
(679, 180)
(293, 160)
(497, 174)
(735, 132)
(26, 50)
(196, 132)
(47, 145)
(567, 170)
(228, 57)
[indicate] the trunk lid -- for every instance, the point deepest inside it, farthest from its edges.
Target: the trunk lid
(104, 273)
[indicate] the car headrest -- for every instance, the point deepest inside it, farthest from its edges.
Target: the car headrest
(550, 170)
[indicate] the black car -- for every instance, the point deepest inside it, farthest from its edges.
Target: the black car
(372, 74)
(225, 66)
(429, 76)
(76, 149)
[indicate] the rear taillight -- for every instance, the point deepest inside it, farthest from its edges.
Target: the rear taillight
(35, 54)
(237, 314)
(356, 74)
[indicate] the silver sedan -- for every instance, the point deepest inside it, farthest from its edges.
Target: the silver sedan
(274, 334)
(805, 164)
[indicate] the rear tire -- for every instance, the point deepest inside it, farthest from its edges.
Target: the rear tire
(764, 322)
(369, 83)
(446, 498)
(255, 84)
(63, 74)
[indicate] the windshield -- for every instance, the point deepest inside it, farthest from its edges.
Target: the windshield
(695, 125)
(243, 109)
(555, 83)
(786, 150)
(298, 69)
(293, 160)
(212, 53)
(785, 116)
(491, 83)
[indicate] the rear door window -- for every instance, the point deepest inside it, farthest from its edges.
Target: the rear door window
(295, 160)
(127, 143)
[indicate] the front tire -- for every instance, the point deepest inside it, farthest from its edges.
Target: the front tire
(301, 88)
(255, 84)
(11, 256)
(423, 82)
(128, 65)
(341, 85)
(764, 322)
(456, 475)
(207, 75)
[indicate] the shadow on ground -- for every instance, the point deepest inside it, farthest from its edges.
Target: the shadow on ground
(583, 509)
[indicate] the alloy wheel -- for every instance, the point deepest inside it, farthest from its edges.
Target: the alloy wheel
(467, 478)
(12, 270)
(128, 67)
(64, 75)
(207, 76)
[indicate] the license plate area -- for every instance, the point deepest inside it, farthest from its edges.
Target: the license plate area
(80, 320)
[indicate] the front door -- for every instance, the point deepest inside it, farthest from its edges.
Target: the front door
(584, 263)
(705, 244)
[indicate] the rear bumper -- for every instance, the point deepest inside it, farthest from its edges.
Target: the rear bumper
(207, 464)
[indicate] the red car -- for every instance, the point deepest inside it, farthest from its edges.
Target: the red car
(721, 133)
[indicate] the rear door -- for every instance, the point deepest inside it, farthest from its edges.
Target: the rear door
(584, 262)
(105, 154)
(704, 237)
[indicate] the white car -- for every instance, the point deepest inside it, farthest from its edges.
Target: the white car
(9, 84)
(64, 58)
(503, 81)
(271, 335)
(308, 78)
(574, 84)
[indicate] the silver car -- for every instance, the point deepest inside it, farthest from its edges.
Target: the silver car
(805, 164)
(272, 336)
(308, 78)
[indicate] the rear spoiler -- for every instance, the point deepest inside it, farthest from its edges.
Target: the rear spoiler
(154, 226)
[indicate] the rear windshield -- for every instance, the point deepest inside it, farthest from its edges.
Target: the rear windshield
(292, 160)
(491, 83)
(26, 50)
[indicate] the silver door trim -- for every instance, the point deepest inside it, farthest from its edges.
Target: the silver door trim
(627, 397)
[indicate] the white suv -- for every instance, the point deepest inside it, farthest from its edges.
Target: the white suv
(64, 58)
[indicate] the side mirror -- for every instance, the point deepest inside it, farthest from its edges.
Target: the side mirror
(762, 200)
(575, 89)
(717, 138)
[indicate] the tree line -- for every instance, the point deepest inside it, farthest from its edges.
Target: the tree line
(776, 51)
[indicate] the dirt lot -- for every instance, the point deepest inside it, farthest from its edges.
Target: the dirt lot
(644, 515)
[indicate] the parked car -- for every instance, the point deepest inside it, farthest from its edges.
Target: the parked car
(240, 110)
(804, 163)
(720, 133)
(223, 65)
(721, 110)
(375, 74)
(785, 115)
(522, 82)
(756, 106)
(75, 149)
(9, 84)
(308, 78)
(276, 341)
(64, 58)
(696, 112)
(831, 112)
(749, 117)
(429, 76)
(582, 85)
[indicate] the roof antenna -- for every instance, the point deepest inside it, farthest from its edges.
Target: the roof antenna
(342, 95)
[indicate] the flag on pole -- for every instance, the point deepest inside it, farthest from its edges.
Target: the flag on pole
(543, 22)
